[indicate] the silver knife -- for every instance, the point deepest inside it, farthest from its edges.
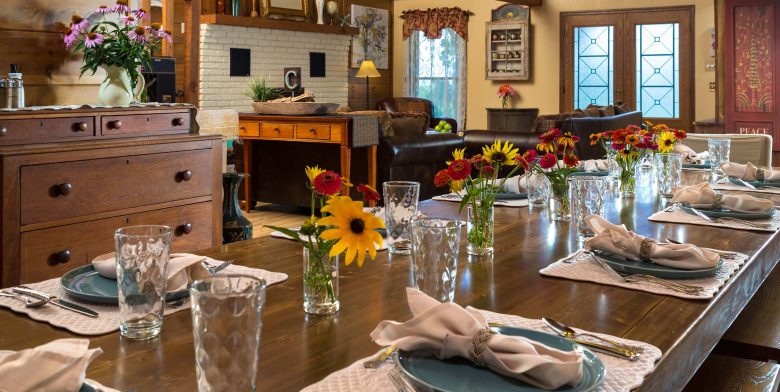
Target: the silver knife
(698, 213)
(56, 301)
(744, 183)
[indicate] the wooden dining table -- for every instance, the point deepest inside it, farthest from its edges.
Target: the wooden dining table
(299, 349)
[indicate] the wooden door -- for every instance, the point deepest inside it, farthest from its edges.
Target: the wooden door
(752, 51)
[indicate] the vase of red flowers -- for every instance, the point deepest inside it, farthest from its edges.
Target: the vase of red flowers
(631, 144)
(505, 92)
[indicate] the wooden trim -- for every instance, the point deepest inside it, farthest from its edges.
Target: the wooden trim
(720, 62)
(524, 2)
(167, 23)
(276, 24)
(192, 52)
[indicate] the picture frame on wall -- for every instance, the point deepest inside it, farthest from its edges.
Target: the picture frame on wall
(372, 43)
(287, 9)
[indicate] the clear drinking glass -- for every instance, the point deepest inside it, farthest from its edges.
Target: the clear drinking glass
(612, 165)
(142, 254)
(436, 242)
(227, 321)
(668, 171)
(401, 198)
(587, 198)
(719, 154)
(538, 188)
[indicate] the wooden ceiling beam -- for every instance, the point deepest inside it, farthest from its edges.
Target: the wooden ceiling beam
(524, 2)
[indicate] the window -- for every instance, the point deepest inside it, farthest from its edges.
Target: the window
(436, 71)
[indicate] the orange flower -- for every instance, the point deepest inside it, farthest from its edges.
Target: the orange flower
(441, 179)
(369, 193)
(594, 138)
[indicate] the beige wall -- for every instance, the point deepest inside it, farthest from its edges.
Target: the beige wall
(543, 90)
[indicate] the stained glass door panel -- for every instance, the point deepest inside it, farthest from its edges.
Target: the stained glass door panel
(593, 66)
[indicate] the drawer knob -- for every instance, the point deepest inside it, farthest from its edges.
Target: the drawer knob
(186, 228)
(312, 130)
(178, 121)
(82, 126)
(277, 130)
(61, 257)
(64, 189)
(185, 175)
(116, 124)
(3, 131)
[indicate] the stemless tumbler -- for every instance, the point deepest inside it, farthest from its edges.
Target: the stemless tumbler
(227, 321)
(537, 186)
(436, 242)
(668, 172)
(401, 198)
(141, 268)
(587, 198)
(720, 150)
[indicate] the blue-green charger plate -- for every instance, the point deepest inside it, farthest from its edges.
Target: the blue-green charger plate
(620, 264)
(722, 213)
(757, 184)
(511, 196)
(705, 165)
(590, 173)
(460, 375)
(86, 284)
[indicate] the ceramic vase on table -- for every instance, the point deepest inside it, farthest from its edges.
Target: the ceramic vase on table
(320, 10)
(117, 88)
(480, 228)
(235, 226)
(320, 283)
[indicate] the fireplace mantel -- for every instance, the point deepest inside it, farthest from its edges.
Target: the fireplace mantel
(276, 24)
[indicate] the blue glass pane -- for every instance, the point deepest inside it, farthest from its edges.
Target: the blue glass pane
(437, 72)
(658, 70)
(593, 66)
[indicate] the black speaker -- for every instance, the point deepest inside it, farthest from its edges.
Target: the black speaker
(160, 80)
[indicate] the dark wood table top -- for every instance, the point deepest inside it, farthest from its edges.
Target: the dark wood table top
(298, 350)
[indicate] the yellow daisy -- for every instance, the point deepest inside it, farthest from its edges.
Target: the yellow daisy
(459, 153)
(666, 141)
(545, 147)
(504, 155)
(313, 172)
(456, 186)
(354, 229)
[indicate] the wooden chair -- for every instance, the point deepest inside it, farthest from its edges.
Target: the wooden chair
(729, 374)
(744, 148)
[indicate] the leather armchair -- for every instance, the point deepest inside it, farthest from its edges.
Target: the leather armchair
(417, 105)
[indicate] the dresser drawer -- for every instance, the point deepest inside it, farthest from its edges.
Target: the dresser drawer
(50, 253)
(77, 188)
(157, 123)
(277, 130)
(248, 129)
(313, 131)
(45, 129)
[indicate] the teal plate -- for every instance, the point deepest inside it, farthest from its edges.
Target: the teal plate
(460, 375)
(705, 165)
(593, 173)
(620, 264)
(731, 214)
(757, 184)
(87, 284)
(511, 196)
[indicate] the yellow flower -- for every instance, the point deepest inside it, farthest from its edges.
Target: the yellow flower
(456, 186)
(632, 139)
(459, 153)
(566, 141)
(666, 141)
(504, 155)
(353, 228)
(627, 154)
(313, 172)
(545, 147)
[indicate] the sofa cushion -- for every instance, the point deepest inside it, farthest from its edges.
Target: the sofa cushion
(408, 124)
(620, 109)
(413, 150)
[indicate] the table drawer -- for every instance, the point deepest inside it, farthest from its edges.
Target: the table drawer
(77, 188)
(45, 129)
(277, 130)
(157, 123)
(313, 131)
(248, 129)
(50, 253)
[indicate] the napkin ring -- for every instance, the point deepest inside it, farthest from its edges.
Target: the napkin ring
(760, 174)
(717, 201)
(644, 249)
(479, 344)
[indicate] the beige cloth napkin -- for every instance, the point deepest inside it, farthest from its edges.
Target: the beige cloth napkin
(57, 366)
(702, 196)
(450, 330)
(690, 156)
(519, 184)
(593, 165)
(183, 268)
(749, 172)
(618, 240)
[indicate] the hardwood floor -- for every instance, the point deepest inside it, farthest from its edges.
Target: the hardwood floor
(274, 214)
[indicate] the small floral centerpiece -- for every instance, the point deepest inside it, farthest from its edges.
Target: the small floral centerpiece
(668, 163)
(631, 144)
(477, 181)
(557, 164)
(342, 227)
(666, 137)
(505, 92)
(114, 38)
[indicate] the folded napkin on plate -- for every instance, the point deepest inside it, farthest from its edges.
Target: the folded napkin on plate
(619, 241)
(749, 172)
(702, 196)
(450, 330)
(593, 165)
(183, 268)
(518, 184)
(56, 366)
(690, 156)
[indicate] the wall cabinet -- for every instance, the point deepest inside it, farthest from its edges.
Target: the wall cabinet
(507, 50)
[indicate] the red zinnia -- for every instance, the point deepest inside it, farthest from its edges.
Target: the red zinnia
(548, 160)
(487, 171)
(680, 134)
(327, 183)
(441, 179)
(527, 158)
(571, 160)
(551, 135)
(459, 169)
(369, 193)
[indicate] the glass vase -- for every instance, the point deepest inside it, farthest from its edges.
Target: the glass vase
(559, 206)
(668, 169)
(480, 228)
(628, 180)
(320, 283)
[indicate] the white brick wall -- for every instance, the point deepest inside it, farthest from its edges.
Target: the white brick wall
(271, 52)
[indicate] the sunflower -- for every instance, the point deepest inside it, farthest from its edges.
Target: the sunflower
(666, 141)
(459, 153)
(313, 172)
(354, 229)
(503, 155)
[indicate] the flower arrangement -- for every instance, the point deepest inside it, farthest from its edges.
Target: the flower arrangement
(630, 144)
(505, 92)
(666, 137)
(115, 36)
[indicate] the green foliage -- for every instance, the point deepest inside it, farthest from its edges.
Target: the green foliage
(260, 91)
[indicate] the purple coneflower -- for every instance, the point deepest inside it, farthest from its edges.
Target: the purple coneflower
(93, 39)
(137, 35)
(165, 34)
(129, 20)
(70, 38)
(79, 24)
(120, 7)
(103, 9)
(141, 14)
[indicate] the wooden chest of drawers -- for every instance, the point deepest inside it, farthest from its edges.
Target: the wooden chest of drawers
(70, 178)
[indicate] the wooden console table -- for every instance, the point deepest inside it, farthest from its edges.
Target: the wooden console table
(515, 120)
(306, 129)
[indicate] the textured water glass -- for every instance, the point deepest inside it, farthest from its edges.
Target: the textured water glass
(142, 254)
(538, 188)
(719, 149)
(668, 172)
(227, 321)
(435, 256)
(401, 198)
(587, 198)
(612, 165)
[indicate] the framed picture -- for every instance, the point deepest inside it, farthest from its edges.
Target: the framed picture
(372, 41)
(286, 8)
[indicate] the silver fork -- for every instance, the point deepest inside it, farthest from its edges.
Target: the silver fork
(400, 382)
(214, 269)
(634, 278)
(729, 219)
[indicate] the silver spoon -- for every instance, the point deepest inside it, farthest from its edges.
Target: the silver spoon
(567, 332)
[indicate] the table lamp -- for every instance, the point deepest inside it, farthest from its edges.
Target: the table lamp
(367, 70)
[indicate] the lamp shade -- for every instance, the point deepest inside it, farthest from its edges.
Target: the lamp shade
(367, 70)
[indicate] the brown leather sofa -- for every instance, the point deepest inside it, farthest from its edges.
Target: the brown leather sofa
(415, 105)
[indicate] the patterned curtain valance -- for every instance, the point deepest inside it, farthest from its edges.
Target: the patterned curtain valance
(433, 20)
